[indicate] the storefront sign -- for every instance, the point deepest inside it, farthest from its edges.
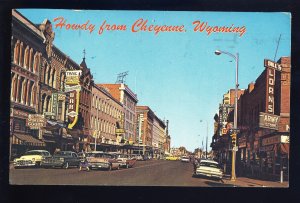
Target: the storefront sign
(20, 113)
(285, 139)
(270, 88)
(72, 88)
(268, 121)
(73, 108)
(73, 77)
(272, 64)
(266, 148)
(36, 121)
(242, 142)
(271, 140)
(54, 103)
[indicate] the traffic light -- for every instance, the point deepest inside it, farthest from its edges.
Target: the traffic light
(233, 139)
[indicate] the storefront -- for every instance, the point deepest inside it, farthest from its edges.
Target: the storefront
(274, 154)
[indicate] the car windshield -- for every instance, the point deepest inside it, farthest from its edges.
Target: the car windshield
(34, 153)
(101, 155)
(122, 156)
(209, 164)
(62, 153)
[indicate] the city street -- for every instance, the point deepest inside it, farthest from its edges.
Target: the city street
(154, 172)
(144, 173)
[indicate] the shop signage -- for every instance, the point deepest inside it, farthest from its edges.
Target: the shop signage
(242, 142)
(73, 77)
(269, 121)
(36, 121)
(270, 88)
(54, 103)
(266, 148)
(120, 131)
(285, 139)
(272, 64)
(20, 113)
(271, 140)
(73, 108)
(72, 88)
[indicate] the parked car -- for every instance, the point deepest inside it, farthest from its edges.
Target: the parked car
(31, 158)
(172, 158)
(126, 160)
(209, 168)
(139, 157)
(103, 160)
(185, 159)
(62, 159)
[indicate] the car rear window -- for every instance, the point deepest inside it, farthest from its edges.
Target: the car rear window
(208, 164)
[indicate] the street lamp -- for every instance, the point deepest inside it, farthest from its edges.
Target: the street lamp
(206, 137)
(236, 58)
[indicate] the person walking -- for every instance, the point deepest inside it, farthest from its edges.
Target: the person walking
(84, 163)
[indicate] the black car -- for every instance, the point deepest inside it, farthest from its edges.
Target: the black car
(62, 159)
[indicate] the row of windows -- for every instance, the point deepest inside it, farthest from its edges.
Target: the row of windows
(129, 103)
(23, 90)
(47, 106)
(26, 57)
(129, 116)
(103, 126)
(105, 107)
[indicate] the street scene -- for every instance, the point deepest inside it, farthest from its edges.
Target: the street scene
(195, 99)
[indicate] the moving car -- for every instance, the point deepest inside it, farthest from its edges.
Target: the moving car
(63, 159)
(107, 161)
(172, 158)
(31, 158)
(185, 159)
(125, 160)
(209, 168)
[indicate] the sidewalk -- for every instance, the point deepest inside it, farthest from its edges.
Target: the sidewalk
(250, 182)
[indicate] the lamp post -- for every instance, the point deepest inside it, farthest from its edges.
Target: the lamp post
(236, 58)
(206, 137)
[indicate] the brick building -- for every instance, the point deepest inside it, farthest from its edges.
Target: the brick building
(265, 149)
(106, 119)
(128, 99)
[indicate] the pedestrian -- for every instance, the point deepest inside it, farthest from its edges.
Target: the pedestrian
(195, 165)
(84, 163)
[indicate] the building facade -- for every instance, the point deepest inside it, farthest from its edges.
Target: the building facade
(128, 99)
(106, 119)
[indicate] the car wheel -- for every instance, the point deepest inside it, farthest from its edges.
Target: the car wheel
(66, 165)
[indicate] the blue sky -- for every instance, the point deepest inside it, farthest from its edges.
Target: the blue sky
(176, 74)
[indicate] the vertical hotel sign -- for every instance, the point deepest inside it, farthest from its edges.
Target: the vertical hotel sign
(271, 68)
(73, 87)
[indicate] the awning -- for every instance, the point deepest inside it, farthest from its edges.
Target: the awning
(284, 148)
(29, 140)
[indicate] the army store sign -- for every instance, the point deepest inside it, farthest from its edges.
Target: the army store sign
(36, 121)
(269, 121)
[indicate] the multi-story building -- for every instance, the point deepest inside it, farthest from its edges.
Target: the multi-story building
(145, 138)
(39, 94)
(26, 51)
(264, 120)
(106, 119)
(122, 93)
(158, 137)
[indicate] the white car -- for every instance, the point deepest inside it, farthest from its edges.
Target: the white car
(209, 168)
(185, 159)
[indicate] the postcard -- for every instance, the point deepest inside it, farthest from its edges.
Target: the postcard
(150, 98)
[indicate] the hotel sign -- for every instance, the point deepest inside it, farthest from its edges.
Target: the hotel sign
(269, 121)
(73, 87)
(36, 121)
(73, 77)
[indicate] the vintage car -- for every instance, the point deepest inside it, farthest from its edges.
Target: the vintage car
(126, 160)
(62, 159)
(103, 160)
(172, 158)
(185, 159)
(209, 168)
(31, 158)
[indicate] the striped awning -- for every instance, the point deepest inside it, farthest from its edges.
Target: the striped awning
(24, 139)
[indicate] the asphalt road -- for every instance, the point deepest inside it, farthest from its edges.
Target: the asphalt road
(144, 173)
